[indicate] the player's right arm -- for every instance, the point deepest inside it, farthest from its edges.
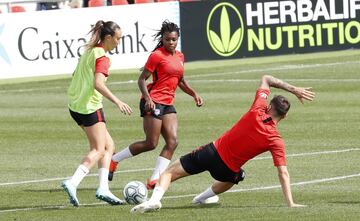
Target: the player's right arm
(145, 74)
(302, 93)
(284, 179)
(100, 86)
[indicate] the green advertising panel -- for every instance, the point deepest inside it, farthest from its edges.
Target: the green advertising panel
(247, 28)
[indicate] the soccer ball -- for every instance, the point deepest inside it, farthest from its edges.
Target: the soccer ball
(135, 192)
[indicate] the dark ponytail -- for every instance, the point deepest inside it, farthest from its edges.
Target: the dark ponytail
(99, 31)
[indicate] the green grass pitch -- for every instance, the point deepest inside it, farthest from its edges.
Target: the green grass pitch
(41, 145)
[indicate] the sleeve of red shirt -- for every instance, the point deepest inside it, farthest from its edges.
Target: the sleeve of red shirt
(102, 65)
(152, 62)
(278, 153)
(260, 99)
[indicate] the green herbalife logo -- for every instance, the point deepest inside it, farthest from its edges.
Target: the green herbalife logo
(221, 38)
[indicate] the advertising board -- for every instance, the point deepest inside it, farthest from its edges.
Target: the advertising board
(50, 42)
(234, 29)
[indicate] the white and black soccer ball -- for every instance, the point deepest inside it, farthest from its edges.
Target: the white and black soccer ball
(135, 192)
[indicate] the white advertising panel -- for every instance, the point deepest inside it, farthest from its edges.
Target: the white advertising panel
(50, 42)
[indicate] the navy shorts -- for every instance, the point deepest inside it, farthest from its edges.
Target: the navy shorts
(160, 110)
(206, 158)
(88, 120)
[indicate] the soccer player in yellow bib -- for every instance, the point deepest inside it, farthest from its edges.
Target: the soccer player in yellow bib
(85, 95)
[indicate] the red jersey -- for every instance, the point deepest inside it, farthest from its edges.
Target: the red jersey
(167, 70)
(252, 135)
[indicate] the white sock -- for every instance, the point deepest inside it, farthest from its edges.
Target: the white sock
(119, 156)
(204, 195)
(161, 164)
(103, 178)
(157, 194)
(79, 175)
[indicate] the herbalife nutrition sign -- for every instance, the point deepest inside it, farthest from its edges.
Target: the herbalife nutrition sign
(254, 28)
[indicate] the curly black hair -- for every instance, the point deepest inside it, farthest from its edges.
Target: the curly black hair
(166, 26)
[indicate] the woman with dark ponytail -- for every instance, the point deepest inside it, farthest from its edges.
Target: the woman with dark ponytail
(85, 95)
(166, 66)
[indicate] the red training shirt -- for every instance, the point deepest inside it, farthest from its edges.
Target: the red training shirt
(167, 70)
(252, 135)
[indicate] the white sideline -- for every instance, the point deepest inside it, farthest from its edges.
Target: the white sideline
(277, 186)
(351, 80)
(148, 169)
(63, 178)
(280, 68)
(288, 80)
(312, 153)
(283, 67)
(198, 81)
(192, 195)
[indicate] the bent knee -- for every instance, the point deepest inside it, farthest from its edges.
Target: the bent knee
(172, 143)
(110, 146)
(151, 145)
(176, 171)
(101, 153)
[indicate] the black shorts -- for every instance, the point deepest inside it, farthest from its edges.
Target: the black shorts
(160, 110)
(88, 120)
(206, 158)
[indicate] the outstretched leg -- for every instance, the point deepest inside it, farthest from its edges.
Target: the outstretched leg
(210, 194)
(174, 172)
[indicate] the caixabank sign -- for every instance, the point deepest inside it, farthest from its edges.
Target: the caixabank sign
(247, 28)
(31, 46)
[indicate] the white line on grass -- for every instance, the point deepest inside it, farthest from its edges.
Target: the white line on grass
(288, 80)
(279, 68)
(63, 178)
(312, 153)
(32, 89)
(148, 169)
(198, 81)
(349, 80)
(324, 180)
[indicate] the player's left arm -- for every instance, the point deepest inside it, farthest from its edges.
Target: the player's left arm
(302, 93)
(284, 179)
(184, 86)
